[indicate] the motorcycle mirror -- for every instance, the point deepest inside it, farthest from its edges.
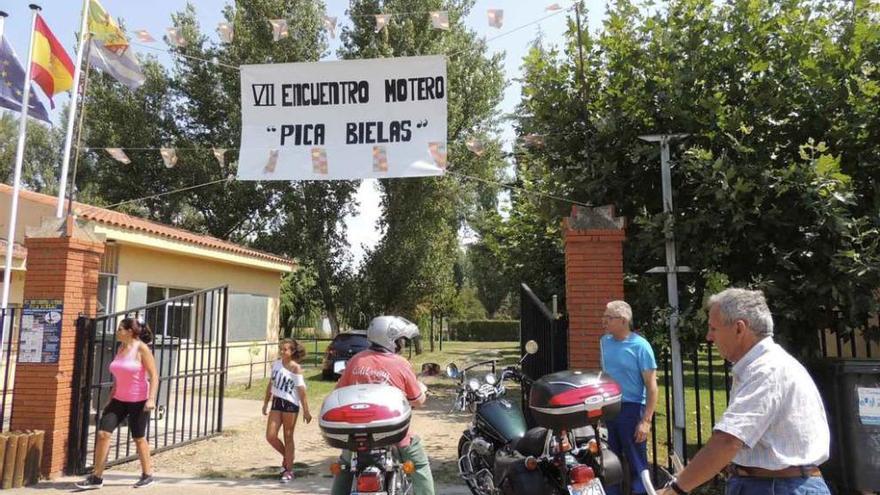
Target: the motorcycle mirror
(531, 347)
(452, 370)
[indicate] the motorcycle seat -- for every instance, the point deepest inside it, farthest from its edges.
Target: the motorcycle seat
(533, 442)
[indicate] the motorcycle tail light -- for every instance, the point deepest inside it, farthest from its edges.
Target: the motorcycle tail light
(593, 447)
(531, 463)
(369, 481)
(409, 468)
(581, 474)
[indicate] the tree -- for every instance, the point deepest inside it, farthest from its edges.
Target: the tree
(195, 107)
(492, 284)
(412, 268)
(41, 153)
(777, 186)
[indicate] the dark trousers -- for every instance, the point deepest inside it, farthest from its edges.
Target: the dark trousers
(621, 439)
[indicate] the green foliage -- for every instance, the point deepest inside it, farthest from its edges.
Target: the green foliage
(484, 330)
(42, 153)
(412, 269)
(776, 187)
(195, 106)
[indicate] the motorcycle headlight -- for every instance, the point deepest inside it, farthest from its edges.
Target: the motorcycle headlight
(473, 384)
(490, 379)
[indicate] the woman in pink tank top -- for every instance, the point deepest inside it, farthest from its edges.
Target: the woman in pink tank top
(133, 396)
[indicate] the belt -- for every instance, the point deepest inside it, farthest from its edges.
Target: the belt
(789, 472)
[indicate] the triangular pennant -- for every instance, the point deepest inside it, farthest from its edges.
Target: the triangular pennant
(224, 29)
(380, 159)
(271, 163)
(496, 18)
(319, 161)
(476, 146)
(330, 26)
(382, 21)
(553, 8)
(440, 19)
(169, 156)
(175, 38)
(279, 29)
(219, 154)
(118, 155)
(438, 153)
(144, 36)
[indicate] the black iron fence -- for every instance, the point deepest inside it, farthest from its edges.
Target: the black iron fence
(706, 393)
(538, 323)
(10, 325)
(190, 351)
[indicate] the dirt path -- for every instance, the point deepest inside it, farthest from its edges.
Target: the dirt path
(242, 452)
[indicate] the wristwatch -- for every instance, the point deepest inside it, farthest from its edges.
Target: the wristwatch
(673, 483)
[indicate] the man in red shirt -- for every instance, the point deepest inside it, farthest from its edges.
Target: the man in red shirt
(380, 364)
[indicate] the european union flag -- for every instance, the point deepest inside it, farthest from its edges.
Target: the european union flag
(12, 84)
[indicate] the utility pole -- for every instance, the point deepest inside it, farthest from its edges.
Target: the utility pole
(671, 270)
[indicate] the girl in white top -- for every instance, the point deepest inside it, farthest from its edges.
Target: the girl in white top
(287, 392)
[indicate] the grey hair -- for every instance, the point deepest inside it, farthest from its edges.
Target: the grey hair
(747, 305)
(622, 309)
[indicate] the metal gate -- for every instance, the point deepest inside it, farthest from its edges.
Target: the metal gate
(10, 326)
(190, 350)
(538, 323)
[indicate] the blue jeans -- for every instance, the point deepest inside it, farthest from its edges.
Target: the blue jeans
(621, 439)
(813, 485)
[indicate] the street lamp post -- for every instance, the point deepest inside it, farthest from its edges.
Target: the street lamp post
(671, 270)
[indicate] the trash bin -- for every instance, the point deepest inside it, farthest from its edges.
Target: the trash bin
(851, 391)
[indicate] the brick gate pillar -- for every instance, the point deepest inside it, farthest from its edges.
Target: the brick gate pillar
(593, 277)
(62, 265)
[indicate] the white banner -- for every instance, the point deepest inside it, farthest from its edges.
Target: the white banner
(351, 119)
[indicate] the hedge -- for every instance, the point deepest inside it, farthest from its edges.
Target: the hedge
(484, 330)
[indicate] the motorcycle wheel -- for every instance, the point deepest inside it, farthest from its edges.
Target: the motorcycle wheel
(477, 461)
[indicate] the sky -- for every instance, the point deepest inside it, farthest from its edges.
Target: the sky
(513, 39)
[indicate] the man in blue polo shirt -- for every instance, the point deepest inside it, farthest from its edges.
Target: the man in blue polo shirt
(629, 359)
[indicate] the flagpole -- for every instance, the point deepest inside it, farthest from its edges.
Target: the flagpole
(74, 103)
(19, 158)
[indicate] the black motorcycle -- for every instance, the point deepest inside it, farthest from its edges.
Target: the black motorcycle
(563, 455)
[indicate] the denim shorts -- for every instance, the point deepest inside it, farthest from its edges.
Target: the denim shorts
(814, 485)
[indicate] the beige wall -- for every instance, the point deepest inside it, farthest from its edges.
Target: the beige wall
(30, 214)
(16, 293)
(165, 269)
(163, 262)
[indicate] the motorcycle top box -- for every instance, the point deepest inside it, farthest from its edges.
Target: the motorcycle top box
(362, 417)
(573, 399)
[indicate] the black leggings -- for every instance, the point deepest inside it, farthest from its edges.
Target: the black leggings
(116, 412)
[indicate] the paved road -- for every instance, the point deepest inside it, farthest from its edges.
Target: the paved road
(120, 483)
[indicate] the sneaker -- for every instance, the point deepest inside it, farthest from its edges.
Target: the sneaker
(286, 476)
(91, 482)
(146, 480)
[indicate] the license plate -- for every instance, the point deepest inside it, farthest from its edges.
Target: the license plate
(592, 488)
(338, 366)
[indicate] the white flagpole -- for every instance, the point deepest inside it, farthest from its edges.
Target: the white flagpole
(71, 114)
(19, 158)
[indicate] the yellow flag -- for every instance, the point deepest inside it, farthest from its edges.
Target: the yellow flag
(104, 29)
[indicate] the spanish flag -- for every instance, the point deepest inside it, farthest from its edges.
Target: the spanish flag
(51, 67)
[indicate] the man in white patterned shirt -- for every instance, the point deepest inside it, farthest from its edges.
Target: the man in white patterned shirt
(774, 432)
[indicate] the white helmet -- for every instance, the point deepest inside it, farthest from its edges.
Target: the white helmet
(384, 331)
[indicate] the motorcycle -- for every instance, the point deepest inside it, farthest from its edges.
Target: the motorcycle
(498, 455)
(368, 421)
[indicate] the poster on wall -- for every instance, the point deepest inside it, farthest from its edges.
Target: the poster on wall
(350, 119)
(869, 405)
(40, 340)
